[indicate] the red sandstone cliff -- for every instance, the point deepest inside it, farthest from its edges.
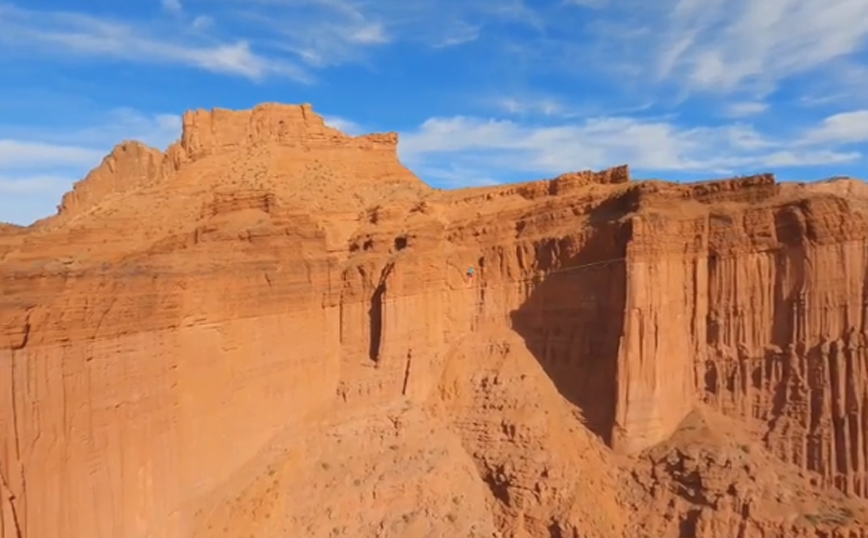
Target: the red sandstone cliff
(266, 331)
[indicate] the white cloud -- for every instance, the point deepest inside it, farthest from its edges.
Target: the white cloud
(344, 125)
(328, 32)
(26, 198)
(156, 130)
(173, 6)
(29, 150)
(781, 159)
(737, 47)
(839, 85)
(54, 33)
(202, 23)
(545, 105)
(236, 58)
(369, 34)
(745, 108)
(100, 134)
(484, 145)
(671, 50)
(30, 185)
(720, 46)
(596, 4)
(455, 177)
(25, 153)
(39, 164)
(842, 128)
(457, 33)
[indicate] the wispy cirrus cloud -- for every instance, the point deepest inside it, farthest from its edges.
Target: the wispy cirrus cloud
(52, 34)
(736, 48)
(255, 39)
(732, 55)
(720, 46)
(728, 47)
(547, 106)
(316, 29)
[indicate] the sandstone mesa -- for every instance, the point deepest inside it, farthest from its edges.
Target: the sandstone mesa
(267, 331)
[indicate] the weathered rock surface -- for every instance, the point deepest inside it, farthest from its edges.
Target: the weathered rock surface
(267, 331)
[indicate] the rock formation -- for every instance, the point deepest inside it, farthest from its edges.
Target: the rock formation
(267, 331)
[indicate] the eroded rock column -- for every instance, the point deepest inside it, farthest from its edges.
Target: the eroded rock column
(664, 331)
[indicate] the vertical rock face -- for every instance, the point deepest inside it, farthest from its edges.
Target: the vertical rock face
(269, 330)
(786, 345)
(666, 284)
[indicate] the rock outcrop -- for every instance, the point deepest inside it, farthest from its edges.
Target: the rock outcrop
(267, 330)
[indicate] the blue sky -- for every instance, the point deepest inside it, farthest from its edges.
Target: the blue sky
(481, 91)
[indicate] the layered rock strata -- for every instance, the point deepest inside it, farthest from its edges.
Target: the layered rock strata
(266, 330)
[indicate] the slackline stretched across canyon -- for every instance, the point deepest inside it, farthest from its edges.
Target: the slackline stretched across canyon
(274, 329)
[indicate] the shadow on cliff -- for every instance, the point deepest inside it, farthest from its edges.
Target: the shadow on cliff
(573, 319)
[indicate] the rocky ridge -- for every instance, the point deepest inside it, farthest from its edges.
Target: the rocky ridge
(266, 331)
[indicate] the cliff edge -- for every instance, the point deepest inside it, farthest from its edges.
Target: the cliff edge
(269, 330)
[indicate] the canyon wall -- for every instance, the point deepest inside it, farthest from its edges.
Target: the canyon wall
(202, 338)
(786, 334)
